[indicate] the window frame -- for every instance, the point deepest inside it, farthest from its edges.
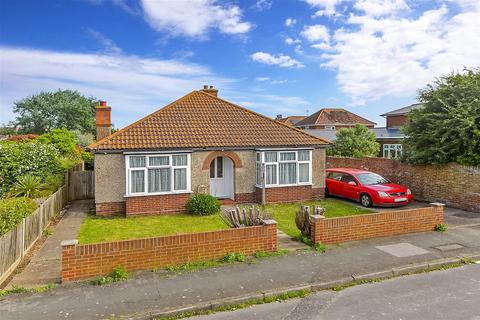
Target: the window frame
(263, 163)
(128, 170)
(389, 148)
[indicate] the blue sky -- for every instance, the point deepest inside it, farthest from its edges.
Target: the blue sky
(285, 57)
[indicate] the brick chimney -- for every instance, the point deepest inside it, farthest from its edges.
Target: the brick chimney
(210, 90)
(103, 120)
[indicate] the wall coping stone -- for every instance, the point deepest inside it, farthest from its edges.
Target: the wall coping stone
(437, 204)
(66, 243)
(270, 221)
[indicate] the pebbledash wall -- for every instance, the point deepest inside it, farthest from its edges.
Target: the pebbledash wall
(453, 184)
(91, 260)
(384, 224)
(110, 184)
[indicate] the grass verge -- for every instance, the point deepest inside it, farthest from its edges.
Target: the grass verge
(235, 306)
(16, 289)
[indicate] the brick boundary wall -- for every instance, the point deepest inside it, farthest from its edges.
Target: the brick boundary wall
(92, 260)
(289, 194)
(157, 204)
(453, 184)
(110, 208)
(383, 224)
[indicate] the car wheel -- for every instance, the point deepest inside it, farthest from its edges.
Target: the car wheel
(366, 200)
(327, 195)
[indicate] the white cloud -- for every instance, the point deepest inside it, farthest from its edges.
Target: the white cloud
(262, 5)
(388, 54)
(280, 60)
(262, 79)
(289, 22)
(107, 44)
(291, 41)
(378, 8)
(133, 86)
(194, 18)
(326, 7)
(315, 33)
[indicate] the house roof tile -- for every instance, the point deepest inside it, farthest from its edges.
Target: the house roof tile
(328, 116)
(201, 120)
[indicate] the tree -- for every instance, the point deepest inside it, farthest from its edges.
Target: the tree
(45, 111)
(357, 142)
(62, 139)
(447, 128)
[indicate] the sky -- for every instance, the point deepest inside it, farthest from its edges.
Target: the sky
(289, 57)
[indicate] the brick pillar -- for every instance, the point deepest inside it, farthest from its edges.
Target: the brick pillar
(316, 228)
(439, 211)
(271, 226)
(68, 259)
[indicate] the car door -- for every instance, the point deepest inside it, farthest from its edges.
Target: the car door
(333, 182)
(350, 187)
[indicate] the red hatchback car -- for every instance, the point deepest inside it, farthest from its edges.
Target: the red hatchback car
(367, 187)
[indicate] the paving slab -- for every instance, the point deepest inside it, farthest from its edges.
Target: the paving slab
(45, 266)
(402, 249)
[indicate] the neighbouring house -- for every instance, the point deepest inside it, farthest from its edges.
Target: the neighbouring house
(326, 122)
(391, 136)
(202, 143)
(290, 120)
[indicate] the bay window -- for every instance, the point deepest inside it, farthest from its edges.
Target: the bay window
(157, 174)
(283, 168)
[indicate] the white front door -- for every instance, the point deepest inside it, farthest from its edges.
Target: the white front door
(221, 178)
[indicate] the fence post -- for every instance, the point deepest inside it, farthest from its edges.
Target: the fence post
(23, 238)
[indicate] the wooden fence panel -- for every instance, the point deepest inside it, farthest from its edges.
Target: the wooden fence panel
(82, 185)
(32, 231)
(15, 243)
(10, 250)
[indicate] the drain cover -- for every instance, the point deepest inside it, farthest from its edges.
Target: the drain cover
(449, 247)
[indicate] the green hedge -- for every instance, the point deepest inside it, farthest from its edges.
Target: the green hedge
(20, 158)
(203, 205)
(13, 210)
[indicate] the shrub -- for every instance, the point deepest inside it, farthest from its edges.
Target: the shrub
(54, 181)
(87, 158)
(83, 138)
(13, 210)
(62, 139)
(118, 274)
(19, 159)
(27, 186)
(203, 205)
(441, 227)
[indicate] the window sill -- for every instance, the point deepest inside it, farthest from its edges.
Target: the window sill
(156, 194)
(286, 185)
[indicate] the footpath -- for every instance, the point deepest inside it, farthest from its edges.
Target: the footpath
(154, 293)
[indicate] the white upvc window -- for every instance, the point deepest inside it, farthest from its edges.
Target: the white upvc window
(284, 168)
(392, 150)
(148, 174)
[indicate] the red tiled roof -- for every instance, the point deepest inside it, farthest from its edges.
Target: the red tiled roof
(291, 120)
(201, 120)
(329, 116)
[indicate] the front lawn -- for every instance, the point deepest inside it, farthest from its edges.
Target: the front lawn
(285, 213)
(97, 229)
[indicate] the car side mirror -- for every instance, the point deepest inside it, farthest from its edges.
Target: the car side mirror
(352, 183)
